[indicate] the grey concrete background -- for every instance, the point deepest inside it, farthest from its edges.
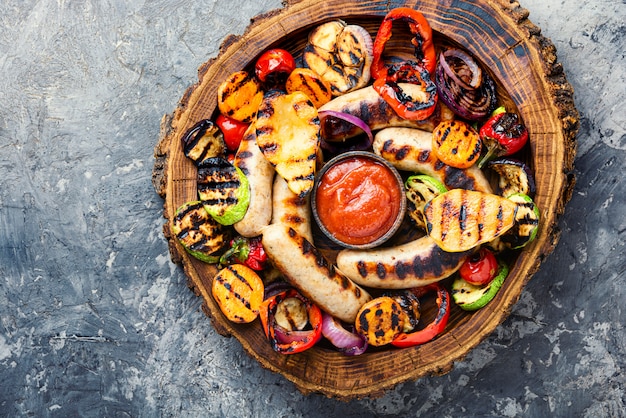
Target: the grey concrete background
(96, 321)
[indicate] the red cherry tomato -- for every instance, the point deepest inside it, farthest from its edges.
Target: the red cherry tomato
(274, 66)
(480, 268)
(232, 130)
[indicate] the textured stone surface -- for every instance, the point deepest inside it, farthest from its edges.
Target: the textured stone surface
(96, 321)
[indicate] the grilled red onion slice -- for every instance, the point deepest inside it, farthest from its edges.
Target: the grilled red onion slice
(349, 343)
(359, 123)
(284, 336)
(470, 66)
(467, 101)
(275, 288)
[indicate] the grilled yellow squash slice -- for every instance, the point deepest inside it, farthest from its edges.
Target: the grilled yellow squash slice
(288, 134)
(460, 220)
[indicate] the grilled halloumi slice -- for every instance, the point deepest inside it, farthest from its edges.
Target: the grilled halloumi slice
(288, 134)
(460, 220)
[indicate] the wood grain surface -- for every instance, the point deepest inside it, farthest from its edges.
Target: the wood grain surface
(528, 76)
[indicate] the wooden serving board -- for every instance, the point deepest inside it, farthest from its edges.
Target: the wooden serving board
(528, 76)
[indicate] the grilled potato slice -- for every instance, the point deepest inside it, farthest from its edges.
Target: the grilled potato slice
(238, 291)
(311, 84)
(456, 143)
(223, 189)
(380, 320)
(239, 96)
(341, 54)
(288, 134)
(198, 232)
(460, 220)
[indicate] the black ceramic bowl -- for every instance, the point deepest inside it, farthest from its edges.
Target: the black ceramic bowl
(398, 183)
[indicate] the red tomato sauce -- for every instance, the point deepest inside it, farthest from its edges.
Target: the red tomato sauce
(358, 200)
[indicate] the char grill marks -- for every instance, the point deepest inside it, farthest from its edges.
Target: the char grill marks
(218, 182)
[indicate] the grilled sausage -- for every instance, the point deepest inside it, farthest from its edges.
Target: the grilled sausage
(411, 150)
(306, 269)
(367, 105)
(260, 174)
(290, 209)
(416, 263)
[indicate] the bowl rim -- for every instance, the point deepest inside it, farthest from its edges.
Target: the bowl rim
(399, 183)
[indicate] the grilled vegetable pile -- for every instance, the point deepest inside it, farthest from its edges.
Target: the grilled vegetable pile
(433, 116)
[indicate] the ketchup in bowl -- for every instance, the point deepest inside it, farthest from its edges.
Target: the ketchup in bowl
(358, 200)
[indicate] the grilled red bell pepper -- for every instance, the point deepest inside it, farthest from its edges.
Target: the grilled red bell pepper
(248, 251)
(503, 134)
(434, 328)
(414, 103)
(423, 40)
(286, 341)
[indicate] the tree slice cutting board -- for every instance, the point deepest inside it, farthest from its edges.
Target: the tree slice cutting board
(529, 79)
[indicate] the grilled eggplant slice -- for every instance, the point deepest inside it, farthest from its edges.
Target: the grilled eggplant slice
(223, 190)
(514, 176)
(288, 134)
(460, 220)
(421, 189)
(204, 140)
(198, 232)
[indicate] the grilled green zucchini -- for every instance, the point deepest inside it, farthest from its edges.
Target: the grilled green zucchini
(526, 222)
(223, 189)
(198, 232)
(421, 189)
(470, 297)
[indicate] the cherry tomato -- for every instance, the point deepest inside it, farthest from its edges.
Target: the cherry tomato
(274, 66)
(232, 130)
(480, 268)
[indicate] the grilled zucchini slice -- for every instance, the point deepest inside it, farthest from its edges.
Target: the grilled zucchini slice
(198, 232)
(223, 189)
(460, 219)
(526, 224)
(421, 189)
(470, 297)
